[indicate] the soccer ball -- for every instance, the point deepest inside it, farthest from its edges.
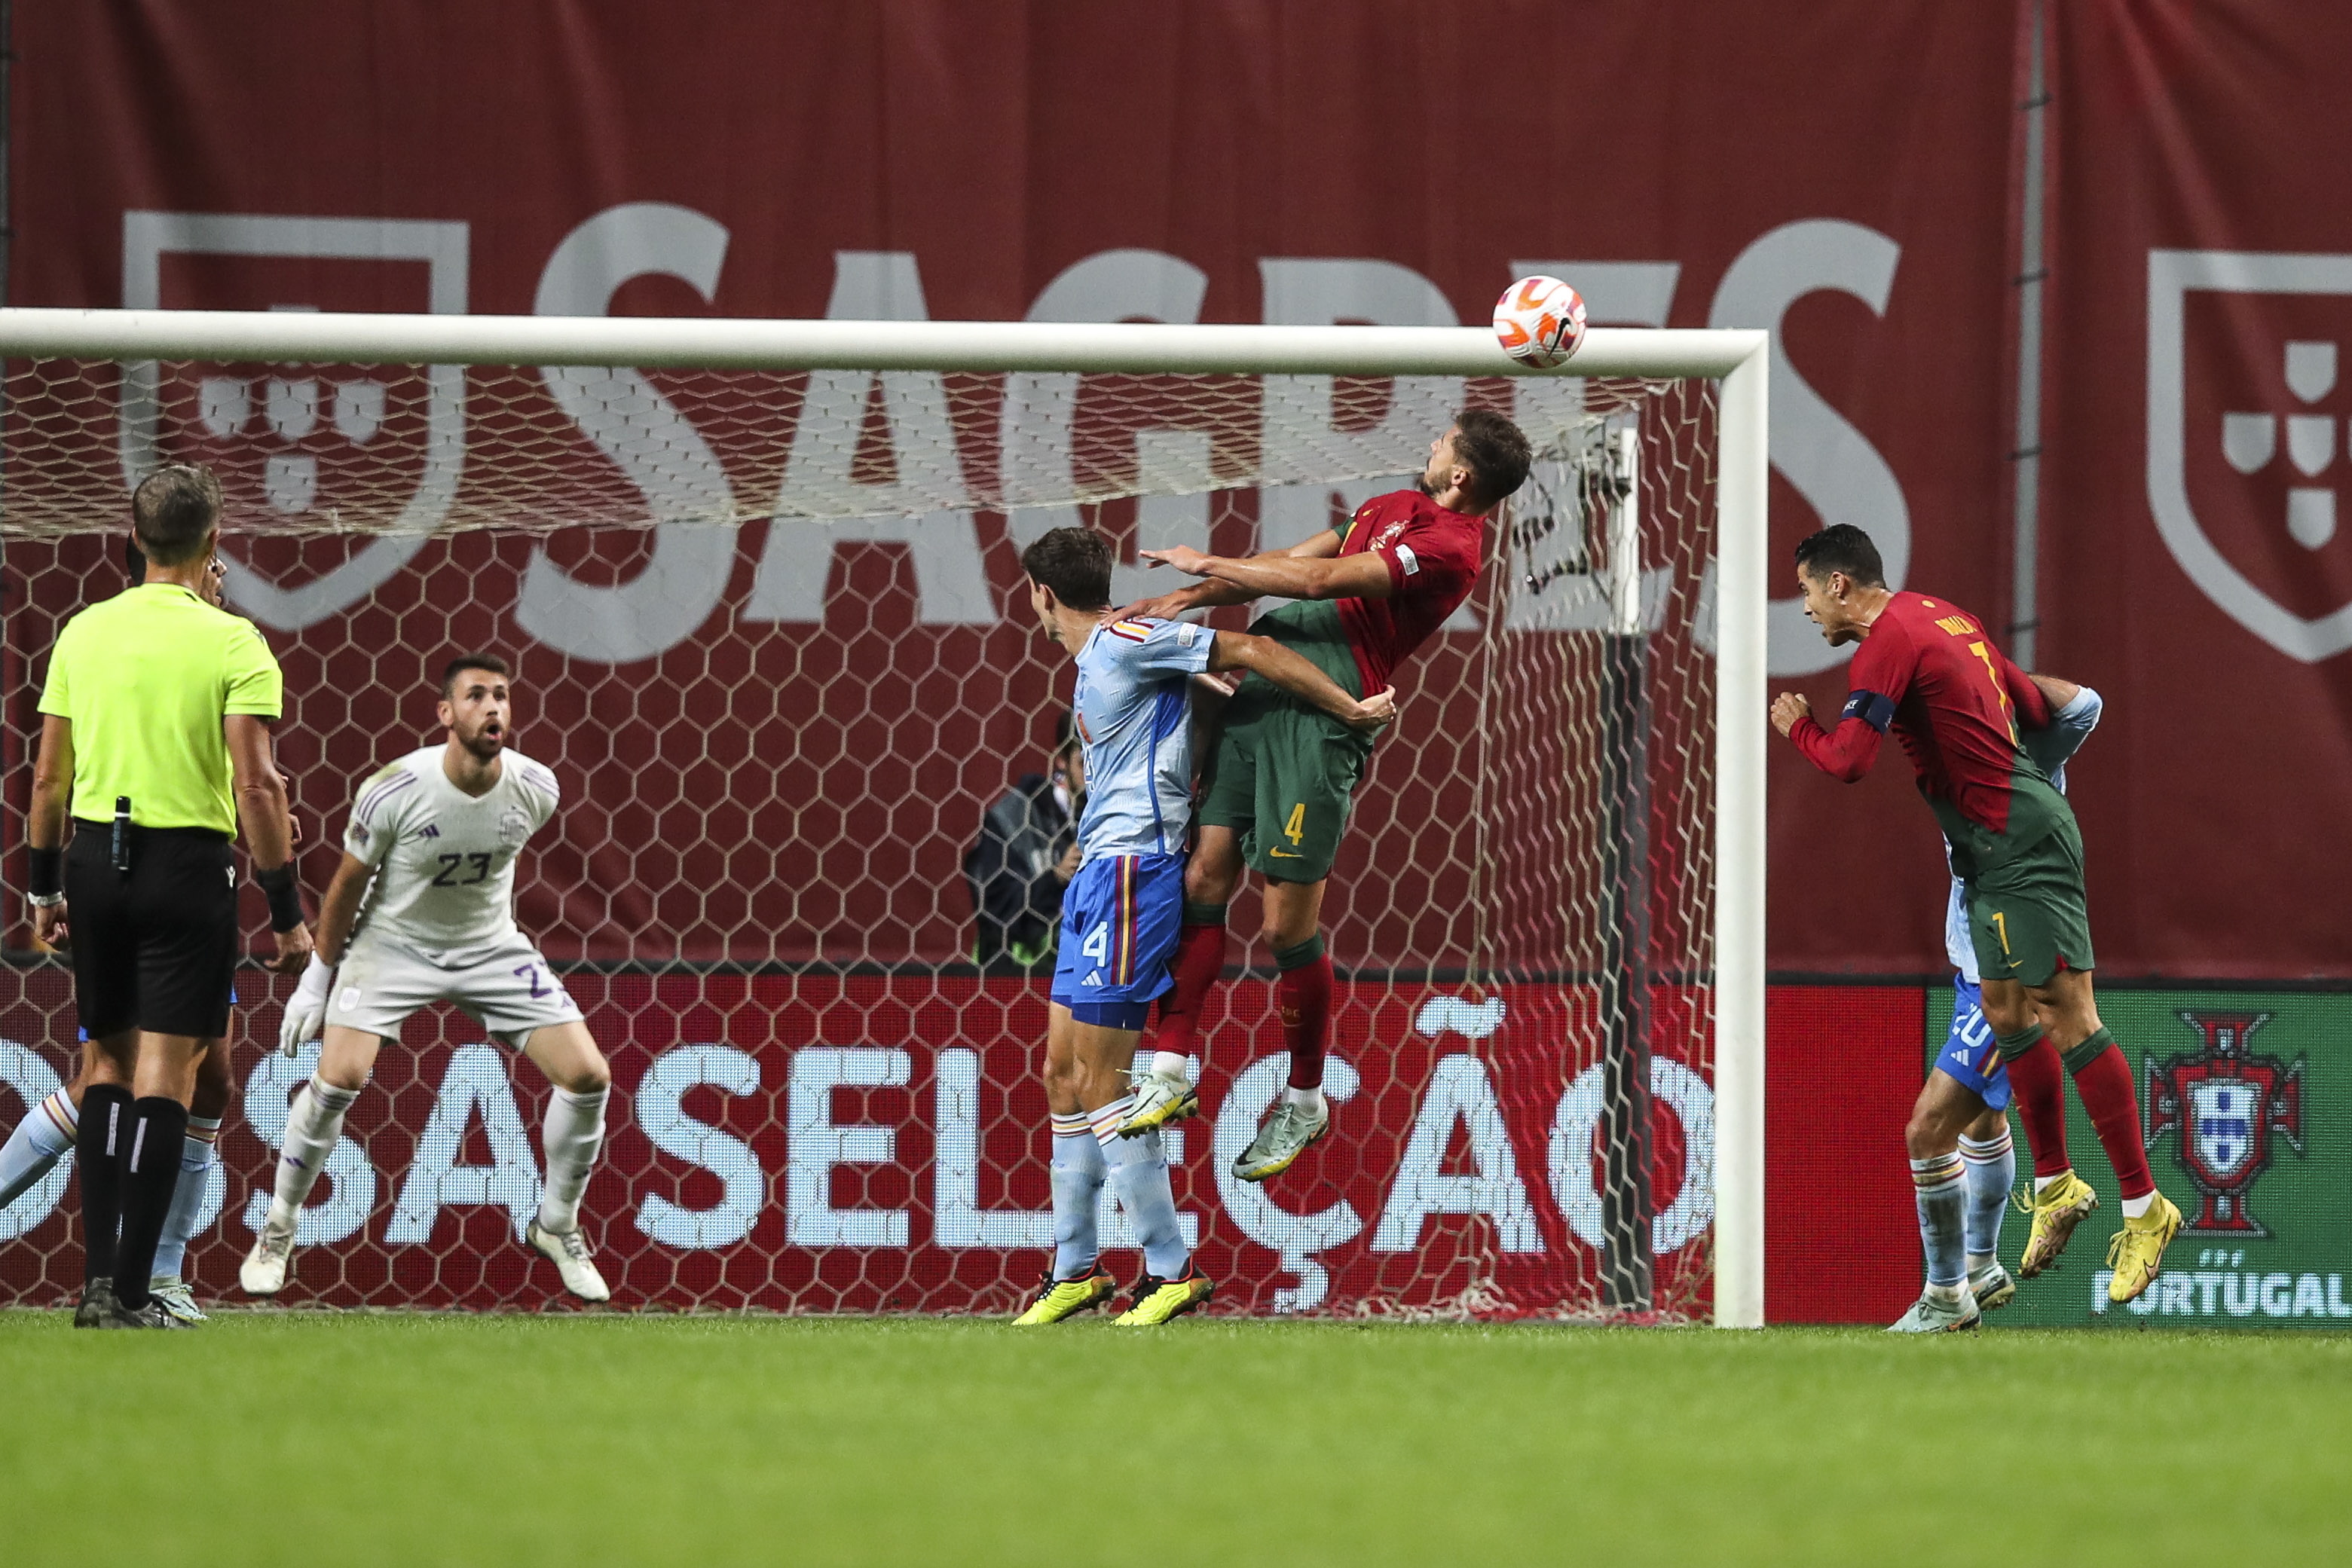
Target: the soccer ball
(1539, 321)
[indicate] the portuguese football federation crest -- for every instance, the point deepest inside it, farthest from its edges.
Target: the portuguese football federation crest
(2226, 1103)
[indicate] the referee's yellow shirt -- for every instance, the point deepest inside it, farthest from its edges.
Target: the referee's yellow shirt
(146, 677)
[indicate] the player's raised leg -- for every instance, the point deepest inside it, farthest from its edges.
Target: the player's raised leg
(313, 1123)
(2103, 1080)
(1303, 986)
(1211, 872)
(571, 1137)
(1075, 1282)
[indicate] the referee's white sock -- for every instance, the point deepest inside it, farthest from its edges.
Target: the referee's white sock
(572, 1134)
(313, 1123)
(39, 1141)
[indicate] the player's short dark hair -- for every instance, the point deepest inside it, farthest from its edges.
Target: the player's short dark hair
(1843, 548)
(1495, 452)
(1074, 564)
(173, 510)
(489, 663)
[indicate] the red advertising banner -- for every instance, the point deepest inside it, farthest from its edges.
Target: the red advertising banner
(858, 1144)
(2199, 388)
(863, 1142)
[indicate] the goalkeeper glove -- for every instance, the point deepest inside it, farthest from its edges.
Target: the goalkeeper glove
(306, 1015)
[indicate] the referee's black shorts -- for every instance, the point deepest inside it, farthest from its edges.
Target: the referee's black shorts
(154, 947)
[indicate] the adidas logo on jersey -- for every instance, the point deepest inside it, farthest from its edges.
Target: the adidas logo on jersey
(428, 831)
(1094, 978)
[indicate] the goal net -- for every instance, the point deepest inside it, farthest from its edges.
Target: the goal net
(768, 631)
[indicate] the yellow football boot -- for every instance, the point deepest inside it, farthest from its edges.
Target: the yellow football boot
(1157, 1301)
(2056, 1209)
(2137, 1248)
(1059, 1299)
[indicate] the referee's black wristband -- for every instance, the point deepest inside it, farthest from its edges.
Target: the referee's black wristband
(48, 871)
(285, 898)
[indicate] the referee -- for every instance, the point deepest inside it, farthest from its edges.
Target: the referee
(155, 723)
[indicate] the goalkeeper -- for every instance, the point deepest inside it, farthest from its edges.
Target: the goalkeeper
(1277, 788)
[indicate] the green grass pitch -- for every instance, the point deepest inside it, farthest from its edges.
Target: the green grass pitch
(317, 1439)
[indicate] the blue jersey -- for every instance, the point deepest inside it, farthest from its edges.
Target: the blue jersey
(1133, 704)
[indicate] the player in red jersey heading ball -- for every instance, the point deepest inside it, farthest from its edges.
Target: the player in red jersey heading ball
(1927, 669)
(1276, 784)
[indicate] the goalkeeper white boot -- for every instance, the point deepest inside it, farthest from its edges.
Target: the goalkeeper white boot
(569, 1251)
(267, 1268)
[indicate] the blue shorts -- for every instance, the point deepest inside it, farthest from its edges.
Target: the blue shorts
(1969, 1049)
(1118, 935)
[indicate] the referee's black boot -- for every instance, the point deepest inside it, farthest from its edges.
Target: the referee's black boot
(152, 1315)
(97, 1305)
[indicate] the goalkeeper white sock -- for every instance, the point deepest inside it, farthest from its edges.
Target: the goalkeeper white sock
(42, 1139)
(1077, 1171)
(572, 1134)
(1138, 1175)
(187, 1197)
(313, 1122)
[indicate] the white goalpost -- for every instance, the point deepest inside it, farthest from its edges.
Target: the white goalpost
(398, 462)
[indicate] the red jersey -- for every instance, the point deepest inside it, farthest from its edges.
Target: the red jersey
(1955, 702)
(1433, 557)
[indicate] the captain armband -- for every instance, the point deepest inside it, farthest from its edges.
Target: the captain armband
(285, 897)
(1873, 709)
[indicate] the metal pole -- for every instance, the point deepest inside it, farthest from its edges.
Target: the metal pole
(1626, 1202)
(2025, 606)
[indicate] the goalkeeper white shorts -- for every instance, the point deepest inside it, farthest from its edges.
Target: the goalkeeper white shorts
(510, 992)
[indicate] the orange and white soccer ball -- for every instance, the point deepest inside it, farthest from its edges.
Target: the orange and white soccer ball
(1539, 321)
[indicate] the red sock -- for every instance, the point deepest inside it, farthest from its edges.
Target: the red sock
(2037, 1080)
(1304, 995)
(1200, 961)
(2104, 1084)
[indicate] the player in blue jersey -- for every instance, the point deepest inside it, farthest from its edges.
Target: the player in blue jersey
(1133, 706)
(1962, 1160)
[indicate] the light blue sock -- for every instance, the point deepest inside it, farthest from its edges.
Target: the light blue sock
(1078, 1172)
(44, 1138)
(1139, 1176)
(187, 1198)
(1942, 1192)
(1991, 1169)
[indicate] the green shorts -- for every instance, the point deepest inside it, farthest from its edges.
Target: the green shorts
(1280, 773)
(2028, 913)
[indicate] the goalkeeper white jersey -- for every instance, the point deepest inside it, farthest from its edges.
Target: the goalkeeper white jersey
(443, 860)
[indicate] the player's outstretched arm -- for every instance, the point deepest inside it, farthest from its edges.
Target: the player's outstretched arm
(1296, 674)
(1291, 576)
(1213, 591)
